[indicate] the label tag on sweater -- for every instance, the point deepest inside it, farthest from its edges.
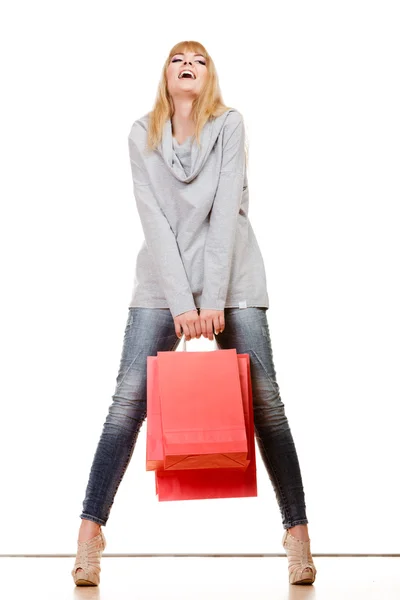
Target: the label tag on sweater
(243, 304)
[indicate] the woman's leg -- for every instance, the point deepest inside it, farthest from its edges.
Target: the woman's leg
(247, 331)
(147, 331)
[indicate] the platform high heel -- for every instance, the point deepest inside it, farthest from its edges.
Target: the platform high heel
(88, 559)
(301, 565)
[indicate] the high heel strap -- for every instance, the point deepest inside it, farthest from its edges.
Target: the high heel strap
(88, 559)
(301, 565)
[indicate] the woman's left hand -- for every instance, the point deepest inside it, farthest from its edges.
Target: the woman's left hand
(211, 321)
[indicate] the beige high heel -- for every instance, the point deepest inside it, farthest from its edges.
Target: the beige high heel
(88, 558)
(301, 565)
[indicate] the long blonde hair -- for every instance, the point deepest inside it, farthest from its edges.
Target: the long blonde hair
(208, 104)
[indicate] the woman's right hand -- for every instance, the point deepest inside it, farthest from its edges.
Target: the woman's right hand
(190, 323)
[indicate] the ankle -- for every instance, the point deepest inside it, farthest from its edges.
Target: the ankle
(88, 530)
(300, 532)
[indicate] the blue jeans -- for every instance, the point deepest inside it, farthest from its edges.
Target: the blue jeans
(149, 330)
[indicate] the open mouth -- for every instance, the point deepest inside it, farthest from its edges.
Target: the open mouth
(186, 75)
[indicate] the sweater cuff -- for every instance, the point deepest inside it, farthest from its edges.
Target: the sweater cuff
(211, 304)
(181, 306)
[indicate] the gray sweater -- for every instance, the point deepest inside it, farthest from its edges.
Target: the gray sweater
(200, 250)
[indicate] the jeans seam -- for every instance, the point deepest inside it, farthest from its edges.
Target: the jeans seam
(284, 501)
(123, 470)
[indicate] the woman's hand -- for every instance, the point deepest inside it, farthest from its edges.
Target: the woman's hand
(190, 323)
(210, 318)
(195, 325)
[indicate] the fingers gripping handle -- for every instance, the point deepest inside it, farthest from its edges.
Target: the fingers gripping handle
(184, 349)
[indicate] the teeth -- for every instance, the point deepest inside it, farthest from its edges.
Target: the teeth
(190, 72)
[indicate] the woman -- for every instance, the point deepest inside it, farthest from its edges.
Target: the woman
(199, 272)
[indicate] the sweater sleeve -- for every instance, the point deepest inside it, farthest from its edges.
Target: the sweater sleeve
(160, 239)
(221, 234)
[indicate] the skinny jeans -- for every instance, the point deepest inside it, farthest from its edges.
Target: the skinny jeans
(149, 330)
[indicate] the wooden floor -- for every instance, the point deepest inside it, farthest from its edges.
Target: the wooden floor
(198, 578)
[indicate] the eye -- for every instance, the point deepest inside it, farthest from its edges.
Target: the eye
(200, 61)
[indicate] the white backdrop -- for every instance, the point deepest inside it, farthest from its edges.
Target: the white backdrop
(318, 86)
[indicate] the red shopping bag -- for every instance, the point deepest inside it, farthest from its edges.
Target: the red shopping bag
(196, 484)
(195, 416)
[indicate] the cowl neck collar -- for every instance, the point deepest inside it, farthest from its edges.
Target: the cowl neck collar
(199, 154)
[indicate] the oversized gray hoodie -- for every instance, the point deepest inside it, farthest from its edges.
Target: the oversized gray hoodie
(200, 250)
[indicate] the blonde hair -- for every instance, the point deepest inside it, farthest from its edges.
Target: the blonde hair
(208, 104)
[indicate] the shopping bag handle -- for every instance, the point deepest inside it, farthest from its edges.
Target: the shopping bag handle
(214, 342)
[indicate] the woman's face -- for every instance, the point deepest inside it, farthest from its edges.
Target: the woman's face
(186, 86)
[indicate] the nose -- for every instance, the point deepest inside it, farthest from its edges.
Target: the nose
(188, 62)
